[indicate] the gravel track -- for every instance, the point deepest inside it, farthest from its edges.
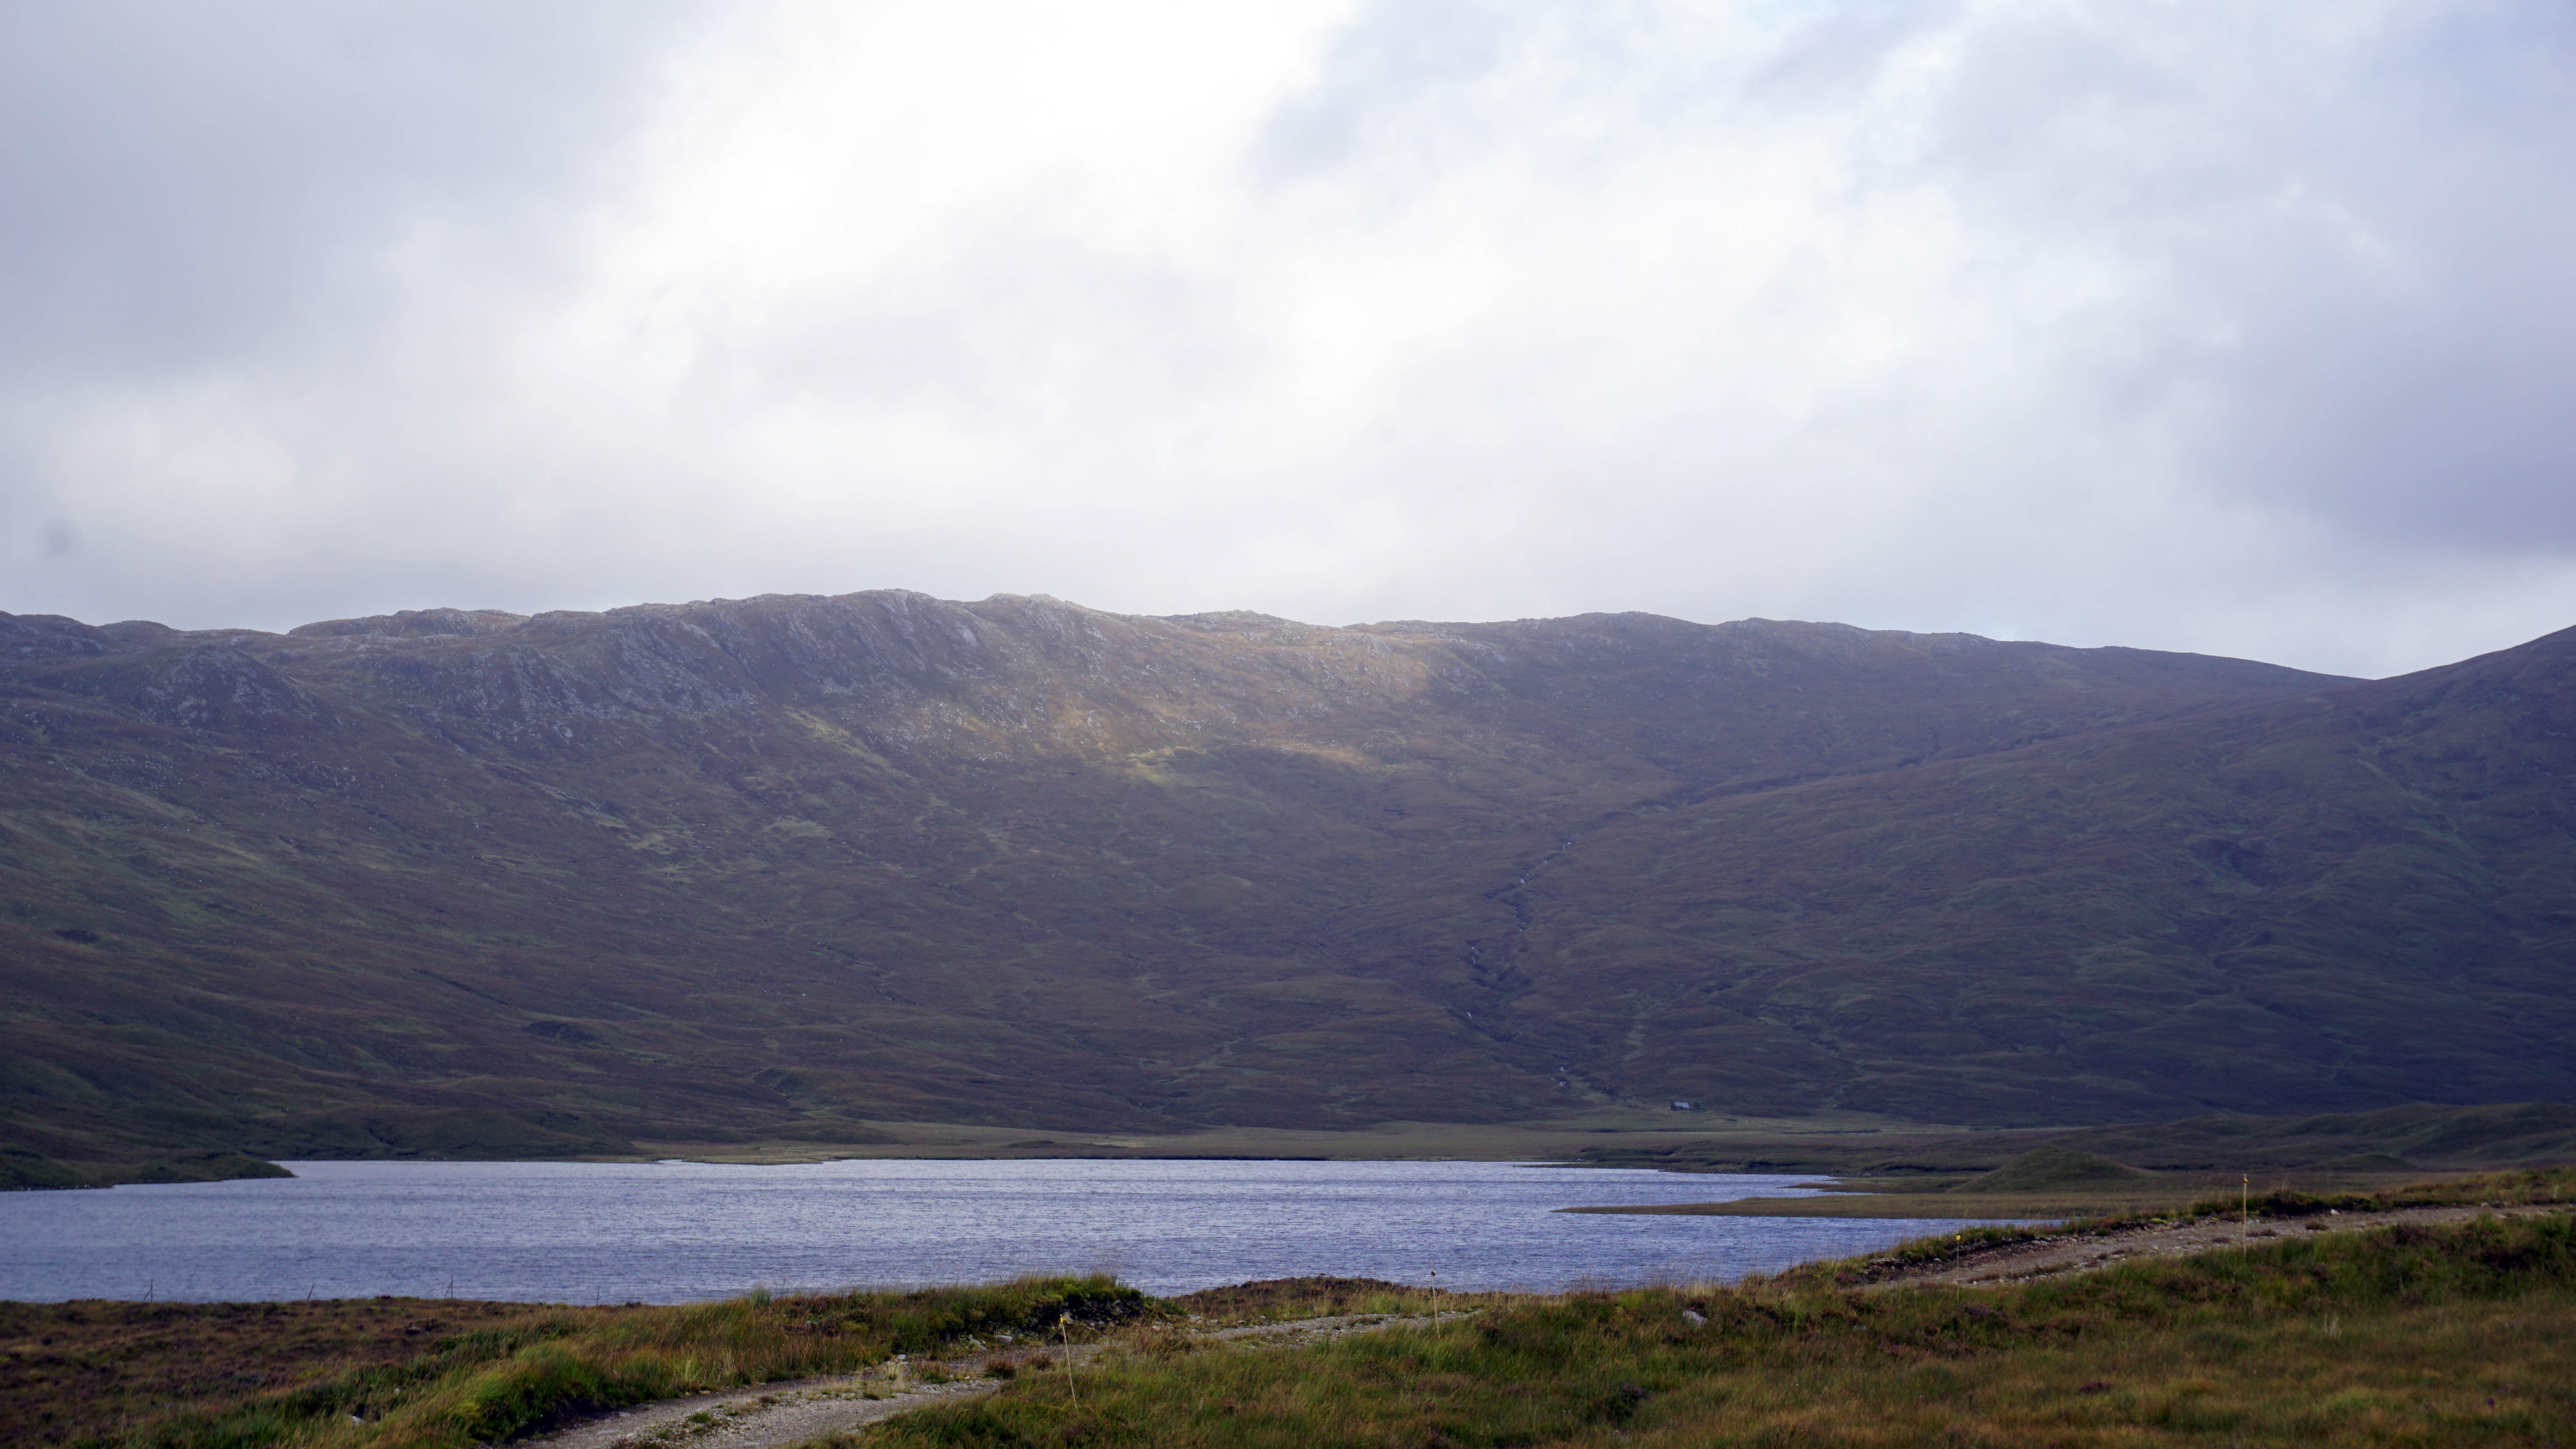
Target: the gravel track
(771, 1416)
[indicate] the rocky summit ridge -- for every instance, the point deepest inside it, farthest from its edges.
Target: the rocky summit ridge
(466, 881)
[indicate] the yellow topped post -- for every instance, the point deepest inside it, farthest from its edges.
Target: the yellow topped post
(1073, 1391)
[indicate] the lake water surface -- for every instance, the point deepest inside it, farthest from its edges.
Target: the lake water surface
(676, 1231)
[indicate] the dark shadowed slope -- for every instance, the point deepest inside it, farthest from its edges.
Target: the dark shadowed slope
(2359, 895)
(464, 882)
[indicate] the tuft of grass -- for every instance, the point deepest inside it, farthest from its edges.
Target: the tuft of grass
(2462, 1334)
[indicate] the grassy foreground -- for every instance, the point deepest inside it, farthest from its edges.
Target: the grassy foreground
(412, 1373)
(2456, 1335)
(417, 1374)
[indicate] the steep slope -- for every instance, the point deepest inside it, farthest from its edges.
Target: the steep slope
(470, 882)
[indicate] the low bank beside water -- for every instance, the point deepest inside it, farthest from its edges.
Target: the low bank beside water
(2106, 1171)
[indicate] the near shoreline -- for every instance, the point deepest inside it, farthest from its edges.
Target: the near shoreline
(2446, 1313)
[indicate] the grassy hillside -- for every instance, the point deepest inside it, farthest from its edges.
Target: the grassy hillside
(467, 884)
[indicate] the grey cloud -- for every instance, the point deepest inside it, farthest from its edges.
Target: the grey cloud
(1395, 58)
(990, 312)
(182, 183)
(1835, 53)
(2359, 255)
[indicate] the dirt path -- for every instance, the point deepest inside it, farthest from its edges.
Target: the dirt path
(772, 1415)
(2080, 1252)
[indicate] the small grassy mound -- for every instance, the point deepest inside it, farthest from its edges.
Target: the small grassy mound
(2049, 1169)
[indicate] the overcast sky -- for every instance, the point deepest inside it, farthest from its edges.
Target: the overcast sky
(2245, 328)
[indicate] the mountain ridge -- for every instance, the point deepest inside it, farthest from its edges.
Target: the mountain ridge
(1032, 863)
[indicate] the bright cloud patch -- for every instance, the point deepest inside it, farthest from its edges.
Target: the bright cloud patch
(2241, 331)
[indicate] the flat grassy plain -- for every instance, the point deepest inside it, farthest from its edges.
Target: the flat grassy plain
(2058, 1206)
(1866, 1152)
(2104, 1171)
(1574, 1139)
(2070, 1192)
